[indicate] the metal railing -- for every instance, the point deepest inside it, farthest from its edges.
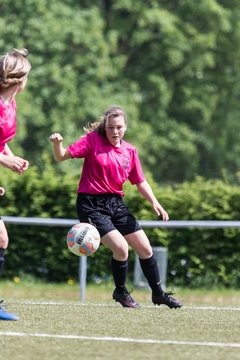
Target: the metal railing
(143, 223)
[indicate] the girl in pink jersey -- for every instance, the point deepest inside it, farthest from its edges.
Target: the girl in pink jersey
(108, 162)
(14, 70)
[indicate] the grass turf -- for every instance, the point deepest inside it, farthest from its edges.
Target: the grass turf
(105, 330)
(51, 316)
(90, 321)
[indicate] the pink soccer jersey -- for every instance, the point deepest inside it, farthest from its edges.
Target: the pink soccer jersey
(106, 167)
(7, 123)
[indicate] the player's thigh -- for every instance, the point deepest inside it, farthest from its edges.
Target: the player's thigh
(117, 244)
(139, 242)
(3, 235)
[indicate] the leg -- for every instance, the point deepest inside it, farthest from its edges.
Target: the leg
(117, 244)
(141, 245)
(119, 247)
(3, 244)
(4, 315)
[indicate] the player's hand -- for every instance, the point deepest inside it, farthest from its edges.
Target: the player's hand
(24, 166)
(2, 191)
(164, 215)
(15, 163)
(19, 165)
(56, 138)
(160, 211)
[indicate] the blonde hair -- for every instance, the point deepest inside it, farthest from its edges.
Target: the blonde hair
(14, 65)
(99, 126)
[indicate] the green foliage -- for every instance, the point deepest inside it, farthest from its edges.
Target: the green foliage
(200, 257)
(174, 67)
(196, 257)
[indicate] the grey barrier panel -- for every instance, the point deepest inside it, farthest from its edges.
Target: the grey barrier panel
(160, 253)
(83, 276)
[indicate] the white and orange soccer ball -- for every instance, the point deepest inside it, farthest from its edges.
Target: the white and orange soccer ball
(83, 239)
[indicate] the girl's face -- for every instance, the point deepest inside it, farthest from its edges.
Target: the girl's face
(23, 83)
(115, 129)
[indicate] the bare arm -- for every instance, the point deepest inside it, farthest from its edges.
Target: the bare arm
(59, 152)
(12, 162)
(7, 150)
(145, 189)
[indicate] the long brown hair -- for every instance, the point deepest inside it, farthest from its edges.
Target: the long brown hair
(99, 126)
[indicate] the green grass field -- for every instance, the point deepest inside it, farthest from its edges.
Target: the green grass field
(54, 324)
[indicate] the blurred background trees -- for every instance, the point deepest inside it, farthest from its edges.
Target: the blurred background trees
(174, 67)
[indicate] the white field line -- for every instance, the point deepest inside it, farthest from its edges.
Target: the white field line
(121, 339)
(188, 307)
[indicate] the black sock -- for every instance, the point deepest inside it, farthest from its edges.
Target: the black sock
(2, 251)
(119, 271)
(150, 270)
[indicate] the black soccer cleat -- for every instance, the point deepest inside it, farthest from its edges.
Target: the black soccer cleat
(125, 299)
(166, 299)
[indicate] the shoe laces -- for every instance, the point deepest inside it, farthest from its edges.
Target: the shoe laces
(169, 294)
(128, 294)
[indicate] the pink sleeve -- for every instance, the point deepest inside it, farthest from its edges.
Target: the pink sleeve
(80, 148)
(136, 175)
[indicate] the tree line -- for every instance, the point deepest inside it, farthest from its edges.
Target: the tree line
(172, 65)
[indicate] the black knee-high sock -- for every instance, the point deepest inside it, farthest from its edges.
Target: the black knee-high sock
(119, 271)
(151, 272)
(2, 251)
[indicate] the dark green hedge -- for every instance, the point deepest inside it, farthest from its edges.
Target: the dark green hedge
(196, 257)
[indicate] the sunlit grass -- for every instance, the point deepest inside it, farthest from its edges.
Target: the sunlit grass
(108, 331)
(48, 311)
(30, 288)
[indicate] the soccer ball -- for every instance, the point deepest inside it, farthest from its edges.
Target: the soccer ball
(83, 239)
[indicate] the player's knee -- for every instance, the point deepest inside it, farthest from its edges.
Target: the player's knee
(3, 239)
(144, 252)
(121, 253)
(3, 242)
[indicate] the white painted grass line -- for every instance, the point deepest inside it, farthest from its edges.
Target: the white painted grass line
(121, 339)
(39, 302)
(231, 308)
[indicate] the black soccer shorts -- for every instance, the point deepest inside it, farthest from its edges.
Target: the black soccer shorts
(106, 212)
